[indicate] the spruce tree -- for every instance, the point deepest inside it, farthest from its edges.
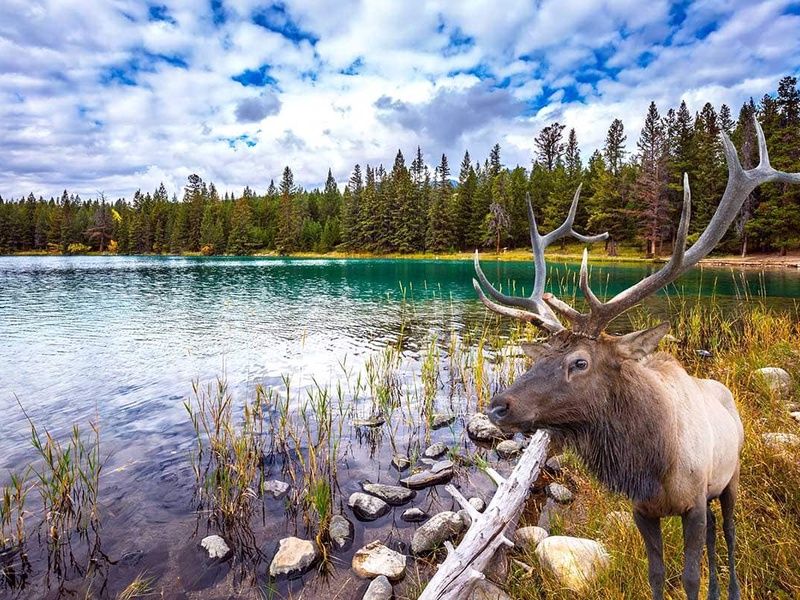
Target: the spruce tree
(614, 148)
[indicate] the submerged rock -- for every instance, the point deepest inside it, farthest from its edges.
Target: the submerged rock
(435, 450)
(366, 507)
(294, 557)
(414, 515)
(442, 465)
(379, 589)
(375, 559)
(215, 546)
(559, 493)
(529, 536)
(440, 420)
(574, 562)
(427, 478)
(391, 494)
(370, 422)
(340, 531)
(481, 429)
(275, 488)
(508, 448)
(442, 527)
(777, 380)
(400, 462)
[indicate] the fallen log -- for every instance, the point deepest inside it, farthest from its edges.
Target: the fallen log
(489, 530)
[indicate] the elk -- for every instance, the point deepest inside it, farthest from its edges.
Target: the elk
(642, 425)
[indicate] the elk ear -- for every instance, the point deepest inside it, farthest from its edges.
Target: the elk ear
(534, 351)
(641, 343)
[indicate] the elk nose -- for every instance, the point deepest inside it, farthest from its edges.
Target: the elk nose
(499, 411)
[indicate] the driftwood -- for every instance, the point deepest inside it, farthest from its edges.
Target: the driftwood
(465, 565)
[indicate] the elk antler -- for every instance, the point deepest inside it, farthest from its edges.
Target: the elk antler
(533, 309)
(741, 183)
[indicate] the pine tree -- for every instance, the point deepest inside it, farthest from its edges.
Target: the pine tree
(614, 148)
(495, 166)
(651, 183)
(549, 147)
(572, 157)
(286, 239)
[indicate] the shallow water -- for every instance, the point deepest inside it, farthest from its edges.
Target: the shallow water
(120, 339)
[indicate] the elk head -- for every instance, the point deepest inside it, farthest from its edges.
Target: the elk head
(574, 370)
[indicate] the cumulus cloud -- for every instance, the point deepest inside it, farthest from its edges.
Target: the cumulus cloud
(99, 96)
(252, 110)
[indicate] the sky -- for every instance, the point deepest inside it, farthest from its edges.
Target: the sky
(114, 95)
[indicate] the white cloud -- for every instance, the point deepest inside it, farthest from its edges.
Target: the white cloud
(96, 96)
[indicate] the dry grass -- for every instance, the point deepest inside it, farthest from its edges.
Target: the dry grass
(768, 511)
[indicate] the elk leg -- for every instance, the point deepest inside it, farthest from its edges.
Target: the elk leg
(711, 548)
(728, 501)
(694, 529)
(650, 529)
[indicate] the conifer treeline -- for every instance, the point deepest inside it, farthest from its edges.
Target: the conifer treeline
(633, 194)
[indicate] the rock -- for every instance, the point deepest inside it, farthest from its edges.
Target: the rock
(481, 429)
(340, 531)
(574, 562)
(779, 441)
(529, 536)
(777, 380)
(795, 415)
(370, 422)
(478, 504)
(427, 479)
(215, 546)
(442, 465)
(379, 589)
(703, 353)
(391, 494)
(414, 515)
(366, 507)
(551, 514)
(440, 528)
(508, 448)
(275, 488)
(294, 557)
(486, 590)
(435, 450)
(554, 465)
(375, 559)
(400, 462)
(619, 520)
(559, 493)
(439, 420)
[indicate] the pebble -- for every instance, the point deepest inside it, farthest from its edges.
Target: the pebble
(508, 448)
(478, 504)
(440, 420)
(435, 450)
(414, 515)
(427, 479)
(340, 531)
(391, 494)
(375, 559)
(559, 493)
(529, 536)
(275, 488)
(574, 562)
(400, 462)
(554, 465)
(371, 422)
(366, 507)
(379, 589)
(481, 429)
(442, 465)
(294, 557)
(779, 441)
(215, 546)
(441, 527)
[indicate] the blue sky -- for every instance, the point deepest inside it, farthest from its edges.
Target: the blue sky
(110, 96)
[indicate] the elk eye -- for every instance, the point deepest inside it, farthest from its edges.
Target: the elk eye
(581, 364)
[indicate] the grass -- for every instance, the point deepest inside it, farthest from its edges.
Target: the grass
(768, 510)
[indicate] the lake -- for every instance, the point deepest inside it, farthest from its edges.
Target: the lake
(119, 341)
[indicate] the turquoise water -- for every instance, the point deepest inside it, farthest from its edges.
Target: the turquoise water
(122, 338)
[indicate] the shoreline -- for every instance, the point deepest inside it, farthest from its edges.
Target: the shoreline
(755, 261)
